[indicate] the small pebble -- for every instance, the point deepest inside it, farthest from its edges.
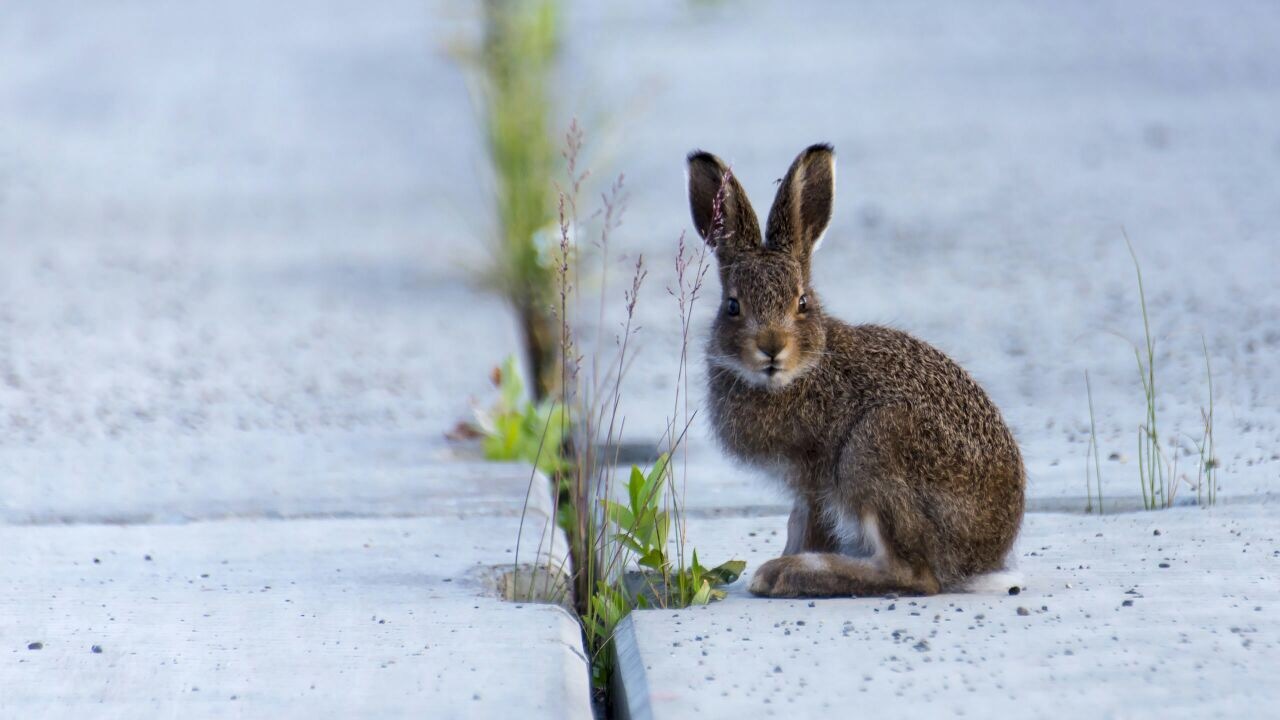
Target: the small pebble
(1127, 603)
(1155, 532)
(147, 558)
(96, 649)
(1023, 611)
(35, 646)
(777, 668)
(1015, 590)
(1164, 565)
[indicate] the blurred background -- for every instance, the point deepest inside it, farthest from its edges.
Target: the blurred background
(259, 257)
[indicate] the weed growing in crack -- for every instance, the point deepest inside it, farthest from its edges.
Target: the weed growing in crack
(511, 74)
(1157, 469)
(607, 537)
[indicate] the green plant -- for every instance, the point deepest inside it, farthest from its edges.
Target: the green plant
(1158, 475)
(641, 531)
(518, 429)
(512, 82)
(606, 536)
(1207, 473)
(1156, 490)
(643, 527)
(1094, 451)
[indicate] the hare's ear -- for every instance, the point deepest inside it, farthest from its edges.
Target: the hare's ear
(802, 209)
(722, 214)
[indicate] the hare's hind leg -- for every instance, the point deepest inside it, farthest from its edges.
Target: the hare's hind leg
(830, 574)
(806, 531)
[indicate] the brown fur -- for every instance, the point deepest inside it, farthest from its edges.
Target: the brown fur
(874, 430)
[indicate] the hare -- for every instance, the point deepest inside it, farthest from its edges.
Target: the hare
(905, 477)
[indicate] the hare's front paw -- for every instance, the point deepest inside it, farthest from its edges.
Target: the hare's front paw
(781, 577)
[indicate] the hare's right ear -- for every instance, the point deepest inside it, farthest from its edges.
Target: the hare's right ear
(722, 214)
(802, 209)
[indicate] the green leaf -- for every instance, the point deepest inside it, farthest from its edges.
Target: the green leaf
(696, 570)
(620, 516)
(703, 596)
(654, 559)
(658, 470)
(631, 544)
(512, 388)
(635, 485)
(662, 529)
(726, 573)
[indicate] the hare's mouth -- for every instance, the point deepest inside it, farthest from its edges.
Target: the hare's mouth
(775, 377)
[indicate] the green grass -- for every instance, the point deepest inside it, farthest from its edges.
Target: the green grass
(1156, 490)
(516, 428)
(1207, 474)
(1157, 472)
(570, 428)
(514, 81)
(1094, 451)
(628, 550)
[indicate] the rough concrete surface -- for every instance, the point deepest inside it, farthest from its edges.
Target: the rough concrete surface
(238, 296)
(988, 160)
(377, 617)
(1170, 614)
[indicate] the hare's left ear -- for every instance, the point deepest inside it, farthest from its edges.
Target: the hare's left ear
(802, 209)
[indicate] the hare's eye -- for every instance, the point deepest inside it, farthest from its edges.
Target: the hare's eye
(804, 303)
(732, 307)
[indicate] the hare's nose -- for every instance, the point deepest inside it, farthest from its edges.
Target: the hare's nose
(771, 344)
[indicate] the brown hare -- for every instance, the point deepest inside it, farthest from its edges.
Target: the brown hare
(905, 476)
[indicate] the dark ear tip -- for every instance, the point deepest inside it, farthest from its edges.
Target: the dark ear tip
(821, 147)
(696, 155)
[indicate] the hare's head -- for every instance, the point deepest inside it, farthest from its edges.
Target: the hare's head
(769, 327)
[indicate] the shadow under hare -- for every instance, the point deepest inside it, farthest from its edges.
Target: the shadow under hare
(905, 476)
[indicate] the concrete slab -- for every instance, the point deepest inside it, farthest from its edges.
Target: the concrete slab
(266, 476)
(1166, 614)
(262, 618)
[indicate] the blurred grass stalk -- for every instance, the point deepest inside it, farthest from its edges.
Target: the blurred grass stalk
(1157, 473)
(516, 61)
(1094, 451)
